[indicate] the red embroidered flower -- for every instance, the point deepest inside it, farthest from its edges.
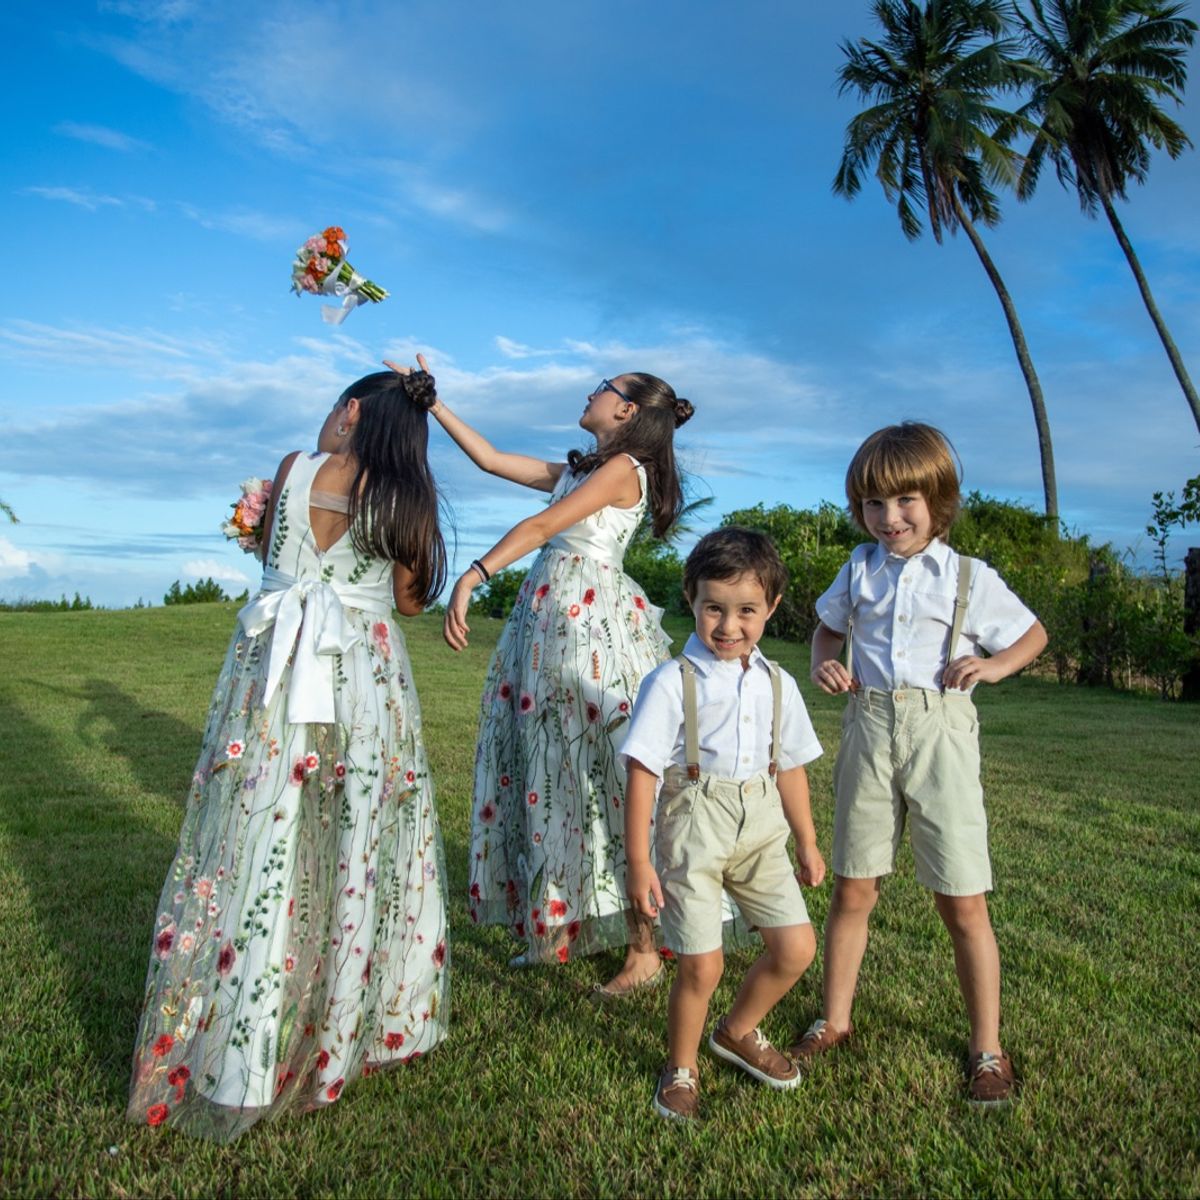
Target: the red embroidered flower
(665, 953)
(573, 611)
(593, 712)
(284, 1077)
(557, 908)
(164, 941)
(638, 602)
(393, 1041)
(156, 1114)
(226, 959)
(334, 1090)
(542, 590)
(532, 798)
(339, 770)
(487, 814)
(589, 596)
(312, 760)
(475, 892)
(526, 702)
(563, 953)
(297, 775)
(163, 1046)
(505, 690)
(540, 928)
(178, 1075)
(573, 930)
(439, 954)
(520, 928)
(623, 706)
(322, 1060)
(505, 781)
(409, 776)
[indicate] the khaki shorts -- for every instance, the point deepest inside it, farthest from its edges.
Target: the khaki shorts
(911, 754)
(717, 834)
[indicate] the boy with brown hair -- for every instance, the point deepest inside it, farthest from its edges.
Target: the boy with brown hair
(914, 615)
(726, 732)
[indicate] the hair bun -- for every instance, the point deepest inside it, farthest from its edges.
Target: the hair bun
(683, 411)
(422, 389)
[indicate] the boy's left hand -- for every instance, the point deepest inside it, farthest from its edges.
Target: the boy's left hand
(970, 669)
(811, 871)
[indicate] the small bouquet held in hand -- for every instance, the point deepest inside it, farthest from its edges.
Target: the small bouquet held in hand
(321, 268)
(246, 524)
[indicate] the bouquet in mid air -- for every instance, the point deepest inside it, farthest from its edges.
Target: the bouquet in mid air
(320, 267)
(246, 525)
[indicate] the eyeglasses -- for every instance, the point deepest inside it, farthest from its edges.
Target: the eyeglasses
(607, 385)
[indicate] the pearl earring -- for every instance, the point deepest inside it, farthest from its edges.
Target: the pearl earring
(342, 431)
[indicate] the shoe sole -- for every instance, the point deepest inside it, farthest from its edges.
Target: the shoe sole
(668, 1115)
(990, 1104)
(738, 1061)
(601, 991)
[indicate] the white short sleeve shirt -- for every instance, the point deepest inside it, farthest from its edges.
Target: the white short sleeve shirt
(903, 608)
(734, 709)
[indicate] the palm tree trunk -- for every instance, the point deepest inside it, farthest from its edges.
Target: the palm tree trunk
(1168, 342)
(1040, 420)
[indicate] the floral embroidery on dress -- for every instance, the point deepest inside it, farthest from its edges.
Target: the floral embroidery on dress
(301, 935)
(547, 839)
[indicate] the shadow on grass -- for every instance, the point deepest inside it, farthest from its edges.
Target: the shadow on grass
(94, 851)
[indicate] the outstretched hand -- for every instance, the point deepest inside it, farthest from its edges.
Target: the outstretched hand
(455, 627)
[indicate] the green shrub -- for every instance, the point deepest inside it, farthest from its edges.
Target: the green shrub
(204, 591)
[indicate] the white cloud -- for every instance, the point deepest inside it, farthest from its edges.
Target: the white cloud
(262, 227)
(13, 560)
(214, 568)
(87, 199)
(101, 135)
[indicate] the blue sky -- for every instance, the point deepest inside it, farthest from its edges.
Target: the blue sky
(552, 193)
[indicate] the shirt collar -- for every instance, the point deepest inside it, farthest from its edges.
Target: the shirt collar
(935, 556)
(705, 660)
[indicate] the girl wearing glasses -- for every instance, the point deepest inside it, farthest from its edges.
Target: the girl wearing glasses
(547, 836)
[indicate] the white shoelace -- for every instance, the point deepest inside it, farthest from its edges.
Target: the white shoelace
(681, 1077)
(988, 1062)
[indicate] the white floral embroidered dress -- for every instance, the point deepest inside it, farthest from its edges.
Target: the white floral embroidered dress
(547, 818)
(301, 933)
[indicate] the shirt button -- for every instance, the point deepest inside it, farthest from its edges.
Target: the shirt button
(745, 720)
(903, 618)
(899, 653)
(745, 758)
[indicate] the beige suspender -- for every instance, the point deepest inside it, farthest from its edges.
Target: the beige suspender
(956, 623)
(960, 607)
(691, 724)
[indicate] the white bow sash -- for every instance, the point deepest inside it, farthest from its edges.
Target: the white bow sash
(307, 614)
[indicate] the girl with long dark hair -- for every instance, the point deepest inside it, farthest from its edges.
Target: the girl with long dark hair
(300, 940)
(547, 832)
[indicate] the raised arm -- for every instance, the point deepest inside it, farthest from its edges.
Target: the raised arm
(615, 483)
(519, 468)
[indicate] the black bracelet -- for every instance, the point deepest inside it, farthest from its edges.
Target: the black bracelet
(483, 571)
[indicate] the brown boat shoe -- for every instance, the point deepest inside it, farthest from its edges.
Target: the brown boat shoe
(818, 1038)
(677, 1097)
(991, 1081)
(755, 1055)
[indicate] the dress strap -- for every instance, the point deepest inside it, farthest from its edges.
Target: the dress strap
(691, 734)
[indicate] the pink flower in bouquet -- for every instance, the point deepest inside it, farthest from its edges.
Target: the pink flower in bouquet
(246, 525)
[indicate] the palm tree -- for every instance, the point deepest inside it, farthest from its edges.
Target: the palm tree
(931, 131)
(1106, 64)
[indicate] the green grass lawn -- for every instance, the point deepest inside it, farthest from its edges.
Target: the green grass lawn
(1095, 813)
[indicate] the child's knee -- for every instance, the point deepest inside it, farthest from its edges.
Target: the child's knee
(854, 897)
(792, 949)
(700, 972)
(964, 916)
